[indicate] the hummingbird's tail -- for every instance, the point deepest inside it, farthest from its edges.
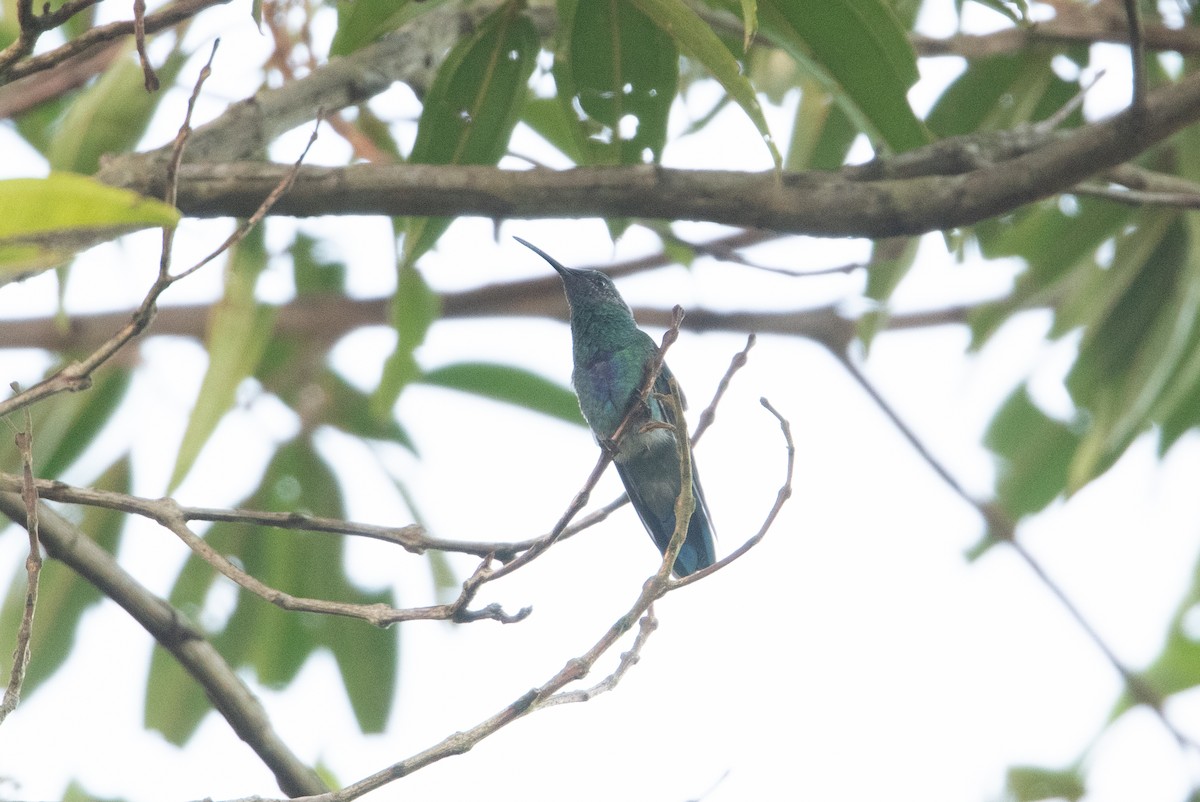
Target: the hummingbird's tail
(654, 500)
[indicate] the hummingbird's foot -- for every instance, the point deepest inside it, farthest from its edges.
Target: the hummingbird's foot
(651, 425)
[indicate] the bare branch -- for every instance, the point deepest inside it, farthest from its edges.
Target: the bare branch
(13, 63)
(710, 412)
(77, 375)
(33, 569)
(1002, 528)
(139, 37)
(1001, 174)
(1088, 26)
(174, 517)
(781, 497)
(646, 626)
(171, 628)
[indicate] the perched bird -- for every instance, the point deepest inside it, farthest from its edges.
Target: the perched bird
(612, 356)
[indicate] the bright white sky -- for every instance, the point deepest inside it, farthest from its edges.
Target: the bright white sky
(854, 655)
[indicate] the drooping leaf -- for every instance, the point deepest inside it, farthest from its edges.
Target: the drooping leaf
(1035, 453)
(861, 53)
(510, 384)
(274, 642)
(1139, 320)
(361, 22)
(473, 106)
(698, 42)
(46, 221)
(550, 119)
(624, 71)
(349, 409)
(239, 329)
(821, 131)
(749, 22)
(414, 308)
(111, 115)
(1059, 247)
(1001, 92)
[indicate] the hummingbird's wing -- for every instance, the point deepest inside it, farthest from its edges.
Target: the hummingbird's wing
(651, 478)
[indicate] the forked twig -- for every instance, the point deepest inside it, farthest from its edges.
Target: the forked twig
(77, 375)
(551, 692)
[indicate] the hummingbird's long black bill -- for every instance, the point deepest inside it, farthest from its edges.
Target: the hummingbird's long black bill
(561, 268)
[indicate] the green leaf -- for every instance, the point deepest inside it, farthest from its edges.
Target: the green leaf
(473, 106)
(1177, 666)
(1032, 783)
(624, 71)
(65, 426)
(239, 329)
(550, 119)
(509, 384)
(48, 220)
(111, 115)
(1138, 328)
(1001, 92)
(698, 42)
(859, 50)
(414, 308)
(361, 22)
(1035, 453)
(1060, 249)
(749, 22)
(312, 274)
(349, 409)
(1015, 10)
(822, 133)
(275, 642)
(63, 595)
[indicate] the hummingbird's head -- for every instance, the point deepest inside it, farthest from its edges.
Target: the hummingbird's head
(585, 288)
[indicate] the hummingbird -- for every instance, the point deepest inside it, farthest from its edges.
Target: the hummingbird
(612, 356)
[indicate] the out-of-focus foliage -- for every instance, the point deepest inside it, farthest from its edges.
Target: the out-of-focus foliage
(602, 82)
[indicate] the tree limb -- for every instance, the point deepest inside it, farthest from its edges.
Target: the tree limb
(852, 202)
(170, 628)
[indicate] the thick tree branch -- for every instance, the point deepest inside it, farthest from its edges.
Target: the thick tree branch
(850, 202)
(1087, 27)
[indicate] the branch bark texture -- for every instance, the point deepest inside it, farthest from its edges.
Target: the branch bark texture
(854, 202)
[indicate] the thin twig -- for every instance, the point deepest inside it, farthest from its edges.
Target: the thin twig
(685, 501)
(781, 497)
(551, 692)
(646, 626)
(710, 412)
(1001, 527)
(283, 186)
(171, 628)
(1137, 57)
(170, 515)
(1137, 197)
(77, 375)
(33, 569)
(139, 38)
(606, 454)
(13, 63)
